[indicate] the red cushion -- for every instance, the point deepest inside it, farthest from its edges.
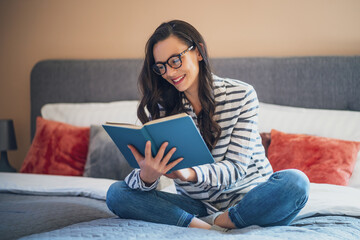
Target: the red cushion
(57, 148)
(323, 160)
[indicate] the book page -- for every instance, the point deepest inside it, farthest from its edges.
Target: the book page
(164, 119)
(126, 125)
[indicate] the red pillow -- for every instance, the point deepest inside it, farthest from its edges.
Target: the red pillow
(57, 148)
(323, 160)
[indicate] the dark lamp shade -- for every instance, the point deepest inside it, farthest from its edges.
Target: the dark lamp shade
(7, 135)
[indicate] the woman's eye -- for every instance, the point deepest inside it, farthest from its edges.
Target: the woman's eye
(160, 67)
(175, 61)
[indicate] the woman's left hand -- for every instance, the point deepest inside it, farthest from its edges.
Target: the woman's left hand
(186, 175)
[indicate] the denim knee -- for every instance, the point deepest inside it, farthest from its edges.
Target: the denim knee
(148, 206)
(297, 183)
(275, 202)
(116, 197)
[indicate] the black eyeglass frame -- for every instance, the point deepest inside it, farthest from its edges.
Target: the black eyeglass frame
(154, 67)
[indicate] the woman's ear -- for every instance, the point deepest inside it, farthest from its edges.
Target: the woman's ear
(198, 54)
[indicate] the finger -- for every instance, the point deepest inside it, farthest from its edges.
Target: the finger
(138, 157)
(168, 156)
(171, 175)
(148, 154)
(173, 164)
(161, 151)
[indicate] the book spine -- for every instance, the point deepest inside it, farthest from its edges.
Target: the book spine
(154, 148)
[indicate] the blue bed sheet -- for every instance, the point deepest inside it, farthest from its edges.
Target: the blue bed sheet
(320, 228)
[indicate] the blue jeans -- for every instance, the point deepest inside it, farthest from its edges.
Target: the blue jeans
(274, 202)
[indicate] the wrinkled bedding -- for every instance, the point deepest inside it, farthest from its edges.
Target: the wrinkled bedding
(320, 228)
(22, 215)
(44, 207)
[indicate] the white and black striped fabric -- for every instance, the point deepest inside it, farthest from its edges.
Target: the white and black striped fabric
(240, 161)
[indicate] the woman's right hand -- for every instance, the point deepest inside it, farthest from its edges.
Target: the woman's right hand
(151, 168)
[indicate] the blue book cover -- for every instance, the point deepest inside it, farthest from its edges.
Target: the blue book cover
(178, 130)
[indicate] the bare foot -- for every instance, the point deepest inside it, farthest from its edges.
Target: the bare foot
(198, 223)
(224, 221)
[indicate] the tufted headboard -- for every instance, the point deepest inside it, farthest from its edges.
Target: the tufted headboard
(329, 82)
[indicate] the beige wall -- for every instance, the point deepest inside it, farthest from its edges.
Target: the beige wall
(32, 30)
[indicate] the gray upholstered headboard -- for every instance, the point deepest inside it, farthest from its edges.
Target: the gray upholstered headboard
(312, 82)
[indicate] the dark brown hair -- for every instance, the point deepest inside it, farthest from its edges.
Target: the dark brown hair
(155, 90)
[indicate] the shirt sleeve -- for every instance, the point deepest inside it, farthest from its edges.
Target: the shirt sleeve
(134, 181)
(212, 178)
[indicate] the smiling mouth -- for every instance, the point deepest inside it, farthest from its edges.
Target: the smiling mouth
(178, 80)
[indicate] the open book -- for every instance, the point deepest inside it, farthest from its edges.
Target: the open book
(178, 130)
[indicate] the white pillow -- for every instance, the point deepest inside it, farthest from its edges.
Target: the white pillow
(326, 123)
(86, 114)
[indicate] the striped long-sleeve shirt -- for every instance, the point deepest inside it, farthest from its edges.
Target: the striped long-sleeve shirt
(240, 162)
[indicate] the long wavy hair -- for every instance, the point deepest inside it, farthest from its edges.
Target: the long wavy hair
(155, 90)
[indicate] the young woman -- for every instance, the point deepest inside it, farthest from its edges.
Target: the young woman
(240, 188)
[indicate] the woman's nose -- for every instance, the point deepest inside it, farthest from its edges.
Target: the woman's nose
(171, 72)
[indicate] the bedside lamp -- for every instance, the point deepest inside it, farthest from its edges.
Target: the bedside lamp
(7, 142)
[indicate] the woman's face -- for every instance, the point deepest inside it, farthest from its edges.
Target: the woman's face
(184, 79)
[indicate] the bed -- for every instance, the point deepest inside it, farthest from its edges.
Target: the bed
(308, 105)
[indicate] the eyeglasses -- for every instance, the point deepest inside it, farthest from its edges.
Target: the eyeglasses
(173, 61)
